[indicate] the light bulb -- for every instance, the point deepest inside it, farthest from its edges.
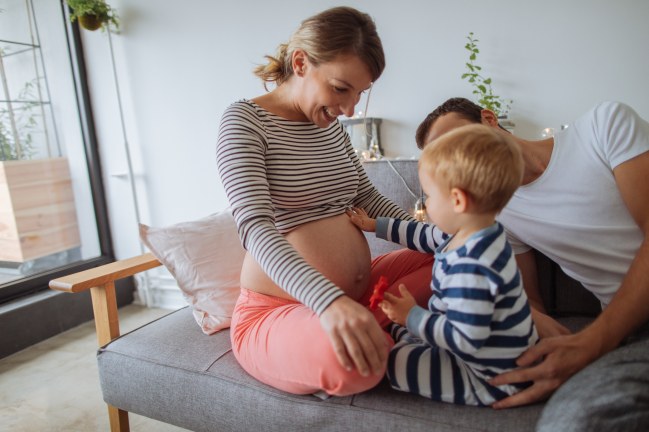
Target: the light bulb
(420, 210)
(547, 132)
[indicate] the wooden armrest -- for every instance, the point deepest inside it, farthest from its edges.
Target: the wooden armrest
(101, 283)
(101, 275)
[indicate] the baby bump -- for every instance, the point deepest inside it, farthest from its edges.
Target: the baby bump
(333, 246)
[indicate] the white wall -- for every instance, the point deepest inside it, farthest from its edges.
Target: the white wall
(181, 63)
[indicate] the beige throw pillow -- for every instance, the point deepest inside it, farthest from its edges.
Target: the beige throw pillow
(205, 257)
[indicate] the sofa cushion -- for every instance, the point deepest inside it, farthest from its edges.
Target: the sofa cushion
(397, 180)
(171, 371)
(205, 257)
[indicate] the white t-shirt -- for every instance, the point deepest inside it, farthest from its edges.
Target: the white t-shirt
(574, 213)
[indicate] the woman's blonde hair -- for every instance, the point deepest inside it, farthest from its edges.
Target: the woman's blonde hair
(323, 37)
(487, 165)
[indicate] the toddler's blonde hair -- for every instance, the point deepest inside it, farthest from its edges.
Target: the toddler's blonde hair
(487, 165)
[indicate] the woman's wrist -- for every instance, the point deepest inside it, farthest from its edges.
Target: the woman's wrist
(336, 303)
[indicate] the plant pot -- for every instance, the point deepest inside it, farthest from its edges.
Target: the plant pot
(37, 212)
(90, 22)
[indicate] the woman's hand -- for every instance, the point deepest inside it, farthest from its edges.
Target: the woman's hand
(398, 308)
(361, 219)
(547, 326)
(356, 336)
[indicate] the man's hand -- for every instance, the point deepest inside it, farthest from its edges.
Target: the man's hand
(356, 336)
(560, 358)
(398, 308)
(547, 326)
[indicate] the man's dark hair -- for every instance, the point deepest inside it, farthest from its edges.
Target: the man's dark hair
(461, 106)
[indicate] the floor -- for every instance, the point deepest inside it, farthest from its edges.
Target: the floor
(54, 385)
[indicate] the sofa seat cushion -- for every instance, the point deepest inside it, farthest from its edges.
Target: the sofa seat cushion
(171, 371)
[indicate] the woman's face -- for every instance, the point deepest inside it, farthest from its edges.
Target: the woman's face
(331, 89)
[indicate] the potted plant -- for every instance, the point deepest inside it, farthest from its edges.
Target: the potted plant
(16, 125)
(482, 85)
(93, 14)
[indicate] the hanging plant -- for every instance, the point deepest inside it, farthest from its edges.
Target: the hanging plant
(93, 14)
(482, 85)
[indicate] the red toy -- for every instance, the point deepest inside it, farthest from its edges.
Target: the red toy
(377, 295)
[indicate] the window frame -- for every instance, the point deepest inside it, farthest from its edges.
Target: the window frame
(39, 282)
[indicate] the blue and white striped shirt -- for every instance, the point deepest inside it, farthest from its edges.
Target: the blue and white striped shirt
(478, 310)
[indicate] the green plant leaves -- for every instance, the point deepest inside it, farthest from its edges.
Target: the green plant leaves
(482, 85)
(17, 142)
(97, 8)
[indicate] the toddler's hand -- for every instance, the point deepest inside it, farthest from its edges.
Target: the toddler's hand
(398, 308)
(360, 218)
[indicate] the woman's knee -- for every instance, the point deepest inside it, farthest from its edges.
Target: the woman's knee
(336, 380)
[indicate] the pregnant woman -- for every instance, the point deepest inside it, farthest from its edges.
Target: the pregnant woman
(301, 323)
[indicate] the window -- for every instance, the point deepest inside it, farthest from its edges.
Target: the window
(52, 209)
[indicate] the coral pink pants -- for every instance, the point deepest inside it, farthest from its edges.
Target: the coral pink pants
(281, 342)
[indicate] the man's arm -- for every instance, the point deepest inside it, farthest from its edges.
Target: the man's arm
(563, 356)
(629, 309)
(526, 262)
(545, 325)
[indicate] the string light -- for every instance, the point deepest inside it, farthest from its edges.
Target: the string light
(420, 210)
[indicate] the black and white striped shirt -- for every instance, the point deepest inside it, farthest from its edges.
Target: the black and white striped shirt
(280, 174)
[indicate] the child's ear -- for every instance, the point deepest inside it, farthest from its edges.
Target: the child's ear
(459, 200)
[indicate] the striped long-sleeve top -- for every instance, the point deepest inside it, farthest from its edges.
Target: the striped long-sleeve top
(280, 174)
(478, 309)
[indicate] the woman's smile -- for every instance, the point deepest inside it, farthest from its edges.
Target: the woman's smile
(329, 115)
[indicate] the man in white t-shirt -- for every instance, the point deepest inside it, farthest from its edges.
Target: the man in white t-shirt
(584, 203)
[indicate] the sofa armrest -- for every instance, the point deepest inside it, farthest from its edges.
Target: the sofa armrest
(101, 275)
(101, 283)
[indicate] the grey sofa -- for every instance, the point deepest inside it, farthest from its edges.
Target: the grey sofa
(170, 371)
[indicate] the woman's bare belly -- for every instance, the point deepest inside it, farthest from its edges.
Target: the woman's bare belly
(333, 246)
